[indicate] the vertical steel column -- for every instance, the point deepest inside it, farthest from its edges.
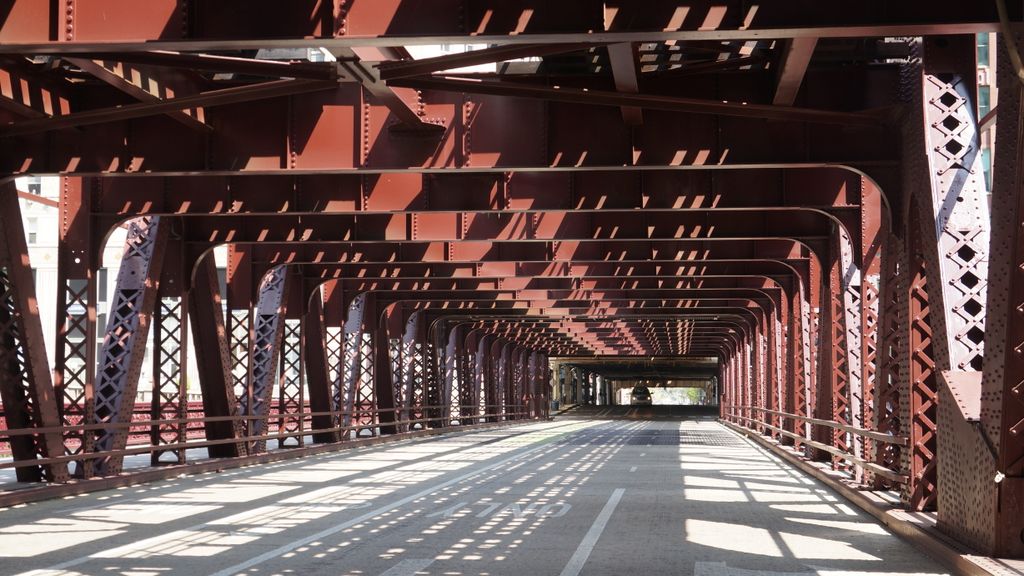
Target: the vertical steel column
(470, 383)
(124, 346)
(385, 330)
(954, 211)
(518, 376)
(334, 342)
(291, 384)
(74, 370)
(531, 383)
(268, 329)
(921, 489)
(391, 332)
(170, 356)
(1002, 394)
(239, 283)
(26, 390)
(359, 393)
(451, 396)
(852, 307)
(318, 371)
(414, 370)
(505, 380)
(890, 383)
(213, 360)
(495, 398)
(871, 233)
(795, 400)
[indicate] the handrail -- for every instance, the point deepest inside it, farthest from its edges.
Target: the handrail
(13, 432)
(875, 468)
(874, 435)
(521, 410)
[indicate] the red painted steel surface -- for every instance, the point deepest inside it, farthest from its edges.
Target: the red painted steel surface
(739, 193)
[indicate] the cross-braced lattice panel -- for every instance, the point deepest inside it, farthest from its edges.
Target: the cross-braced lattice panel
(923, 397)
(20, 403)
(335, 342)
(292, 398)
(122, 350)
(74, 339)
(257, 404)
(238, 339)
(169, 402)
(366, 397)
(960, 214)
(888, 397)
(416, 370)
(396, 362)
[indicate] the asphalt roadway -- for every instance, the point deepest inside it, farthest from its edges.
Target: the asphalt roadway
(583, 494)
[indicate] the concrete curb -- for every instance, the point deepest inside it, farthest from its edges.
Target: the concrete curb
(922, 537)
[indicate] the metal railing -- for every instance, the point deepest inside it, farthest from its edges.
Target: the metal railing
(362, 419)
(736, 413)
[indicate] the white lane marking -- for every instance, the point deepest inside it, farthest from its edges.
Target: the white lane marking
(579, 558)
(643, 454)
(633, 469)
(408, 567)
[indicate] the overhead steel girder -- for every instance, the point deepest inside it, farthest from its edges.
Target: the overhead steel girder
(821, 188)
(341, 130)
(554, 254)
(564, 227)
(33, 26)
(551, 338)
(749, 316)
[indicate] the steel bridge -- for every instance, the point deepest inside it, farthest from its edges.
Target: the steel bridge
(783, 198)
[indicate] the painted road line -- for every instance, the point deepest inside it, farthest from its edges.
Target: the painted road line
(579, 558)
(633, 469)
(409, 567)
(289, 547)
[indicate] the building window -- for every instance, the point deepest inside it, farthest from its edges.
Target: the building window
(984, 101)
(983, 49)
(33, 230)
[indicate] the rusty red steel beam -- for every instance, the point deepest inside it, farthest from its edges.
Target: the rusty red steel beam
(791, 68)
(622, 58)
(304, 133)
(168, 24)
(425, 66)
(562, 226)
(403, 103)
(148, 84)
(488, 254)
(533, 329)
(219, 63)
(510, 328)
(820, 188)
(26, 95)
(739, 109)
(218, 97)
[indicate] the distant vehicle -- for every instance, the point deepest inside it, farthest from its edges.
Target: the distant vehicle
(641, 396)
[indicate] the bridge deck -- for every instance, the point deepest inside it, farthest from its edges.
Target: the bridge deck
(579, 495)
